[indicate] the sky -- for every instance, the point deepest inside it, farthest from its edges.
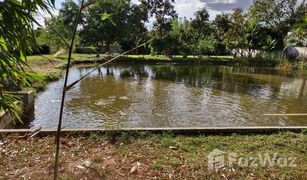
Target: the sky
(186, 8)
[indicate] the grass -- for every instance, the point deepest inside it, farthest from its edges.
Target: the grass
(148, 156)
(60, 57)
(48, 68)
(179, 57)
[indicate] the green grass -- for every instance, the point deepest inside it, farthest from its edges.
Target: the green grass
(47, 68)
(180, 57)
(38, 81)
(87, 57)
(49, 57)
(158, 165)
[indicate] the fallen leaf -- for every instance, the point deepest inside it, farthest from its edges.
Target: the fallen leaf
(135, 167)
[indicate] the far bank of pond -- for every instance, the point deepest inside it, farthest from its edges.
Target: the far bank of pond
(48, 68)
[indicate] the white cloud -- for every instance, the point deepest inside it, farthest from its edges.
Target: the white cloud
(226, 5)
(42, 15)
(187, 8)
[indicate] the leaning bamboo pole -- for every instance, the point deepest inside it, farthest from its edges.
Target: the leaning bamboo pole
(290, 114)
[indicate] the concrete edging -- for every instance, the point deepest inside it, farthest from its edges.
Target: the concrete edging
(179, 130)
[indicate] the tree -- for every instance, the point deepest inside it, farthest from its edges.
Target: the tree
(234, 36)
(48, 36)
(163, 11)
(99, 33)
(16, 38)
(201, 24)
(298, 34)
(277, 16)
(137, 32)
(62, 23)
(221, 25)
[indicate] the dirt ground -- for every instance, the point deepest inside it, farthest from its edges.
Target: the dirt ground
(148, 156)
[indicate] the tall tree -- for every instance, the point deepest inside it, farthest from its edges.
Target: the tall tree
(276, 15)
(163, 11)
(62, 23)
(234, 37)
(221, 23)
(201, 23)
(98, 32)
(137, 32)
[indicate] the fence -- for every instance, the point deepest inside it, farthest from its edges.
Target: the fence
(290, 52)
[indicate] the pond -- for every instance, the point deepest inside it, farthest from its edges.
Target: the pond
(174, 95)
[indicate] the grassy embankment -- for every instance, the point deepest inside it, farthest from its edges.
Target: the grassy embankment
(151, 156)
(47, 68)
(178, 57)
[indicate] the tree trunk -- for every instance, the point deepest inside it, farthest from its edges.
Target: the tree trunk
(107, 47)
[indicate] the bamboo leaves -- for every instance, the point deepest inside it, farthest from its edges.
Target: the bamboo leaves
(16, 39)
(106, 16)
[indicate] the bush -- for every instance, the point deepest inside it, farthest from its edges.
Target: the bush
(85, 50)
(41, 49)
(263, 59)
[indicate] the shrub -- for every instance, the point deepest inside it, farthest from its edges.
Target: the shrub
(41, 49)
(85, 50)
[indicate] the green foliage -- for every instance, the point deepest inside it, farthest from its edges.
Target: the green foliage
(60, 25)
(207, 46)
(136, 31)
(163, 11)
(297, 37)
(298, 34)
(234, 37)
(201, 24)
(166, 45)
(267, 59)
(125, 23)
(8, 103)
(277, 16)
(16, 38)
(106, 16)
(158, 165)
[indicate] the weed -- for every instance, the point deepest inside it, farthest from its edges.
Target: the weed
(175, 162)
(158, 165)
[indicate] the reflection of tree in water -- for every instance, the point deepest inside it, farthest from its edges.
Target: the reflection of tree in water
(230, 79)
(134, 71)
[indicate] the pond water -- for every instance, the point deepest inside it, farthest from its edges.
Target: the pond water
(174, 95)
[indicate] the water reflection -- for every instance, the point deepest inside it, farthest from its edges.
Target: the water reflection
(175, 96)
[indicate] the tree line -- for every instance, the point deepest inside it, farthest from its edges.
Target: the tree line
(267, 25)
